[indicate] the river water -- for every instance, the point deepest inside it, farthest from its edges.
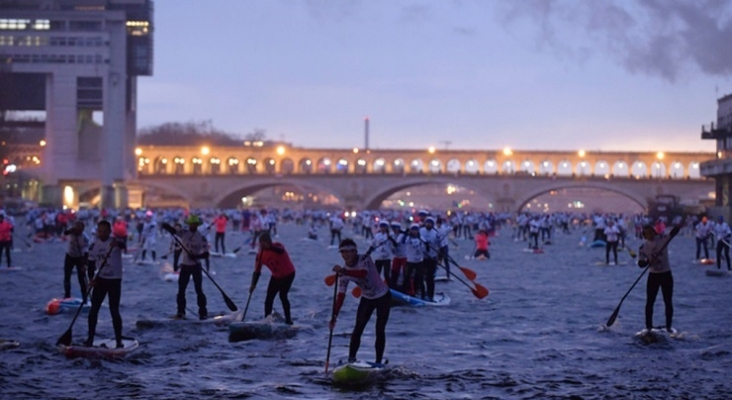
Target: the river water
(539, 334)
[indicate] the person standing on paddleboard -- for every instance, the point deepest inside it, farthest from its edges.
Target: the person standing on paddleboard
(196, 248)
(105, 255)
(375, 295)
(275, 257)
(6, 238)
(653, 253)
(220, 223)
(702, 230)
(76, 256)
(722, 233)
(612, 235)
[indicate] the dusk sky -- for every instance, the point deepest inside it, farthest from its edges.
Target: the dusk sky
(638, 75)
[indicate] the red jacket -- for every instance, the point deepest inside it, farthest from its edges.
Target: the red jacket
(6, 231)
(276, 259)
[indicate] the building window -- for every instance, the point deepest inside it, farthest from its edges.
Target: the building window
(42, 24)
(85, 26)
(14, 24)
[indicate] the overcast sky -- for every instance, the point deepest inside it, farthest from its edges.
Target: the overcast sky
(531, 74)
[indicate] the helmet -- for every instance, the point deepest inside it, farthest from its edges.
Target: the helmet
(193, 220)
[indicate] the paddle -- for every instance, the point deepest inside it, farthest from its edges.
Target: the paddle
(165, 256)
(246, 242)
(251, 291)
(332, 316)
(139, 250)
(614, 315)
(469, 273)
(478, 290)
(227, 300)
(65, 339)
(30, 246)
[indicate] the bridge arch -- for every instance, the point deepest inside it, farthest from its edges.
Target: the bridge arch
(247, 187)
(374, 201)
(524, 198)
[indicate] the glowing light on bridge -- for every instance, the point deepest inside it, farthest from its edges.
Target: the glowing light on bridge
(659, 155)
(431, 149)
(280, 150)
(205, 150)
(507, 151)
(355, 150)
(42, 143)
(581, 153)
(138, 150)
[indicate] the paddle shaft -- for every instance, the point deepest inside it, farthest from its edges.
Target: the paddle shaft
(615, 313)
(65, 339)
(229, 303)
(330, 335)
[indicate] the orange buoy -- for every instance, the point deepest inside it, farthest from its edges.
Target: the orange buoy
(53, 307)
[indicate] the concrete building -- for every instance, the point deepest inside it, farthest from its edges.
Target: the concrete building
(721, 167)
(78, 61)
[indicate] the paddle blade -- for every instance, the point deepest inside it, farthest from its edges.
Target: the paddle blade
(469, 273)
(613, 317)
(356, 292)
(65, 339)
(330, 280)
(229, 302)
(480, 291)
(168, 228)
(632, 253)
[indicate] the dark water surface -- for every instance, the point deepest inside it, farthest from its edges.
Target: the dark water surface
(537, 335)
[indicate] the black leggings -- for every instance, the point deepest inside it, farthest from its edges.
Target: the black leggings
(366, 307)
(186, 271)
(701, 243)
(722, 246)
(281, 286)
(665, 281)
(6, 246)
(69, 264)
(386, 266)
(102, 288)
(333, 234)
(608, 247)
(220, 237)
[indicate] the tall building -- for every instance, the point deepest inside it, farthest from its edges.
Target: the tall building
(721, 167)
(78, 61)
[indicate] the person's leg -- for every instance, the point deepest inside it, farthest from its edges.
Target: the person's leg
(285, 285)
(615, 252)
(198, 285)
(363, 314)
(115, 294)
(429, 277)
(183, 279)
(383, 308)
(719, 254)
(68, 267)
(607, 252)
(80, 273)
(726, 256)
(272, 289)
(667, 290)
(651, 292)
(98, 294)
(698, 247)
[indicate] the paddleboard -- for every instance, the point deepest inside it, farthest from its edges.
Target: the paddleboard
(443, 279)
(219, 320)
(57, 306)
(8, 344)
(657, 334)
(598, 243)
(612, 264)
(262, 329)
(102, 348)
(399, 298)
(716, 272)
(355, 373)
(705, 261)
(146, 262)
(171, 276)
(11, 269)
(217, 254)
(533, 251)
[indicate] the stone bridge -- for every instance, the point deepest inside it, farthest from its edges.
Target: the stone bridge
(367, 191)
